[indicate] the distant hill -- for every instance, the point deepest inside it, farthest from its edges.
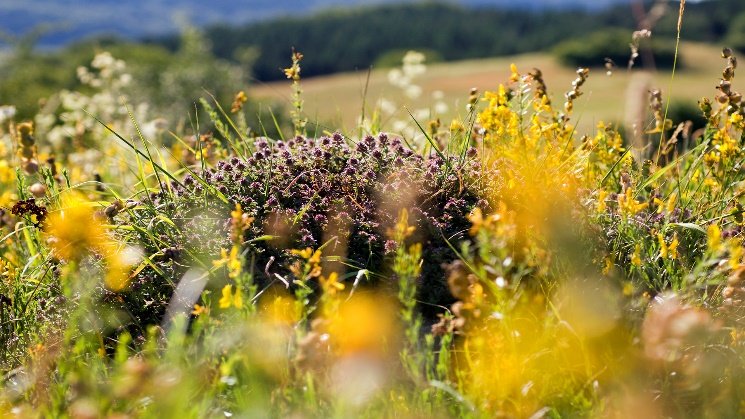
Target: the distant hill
(71, 20)
(350, 39)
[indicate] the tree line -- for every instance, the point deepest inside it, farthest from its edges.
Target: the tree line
(350, 39)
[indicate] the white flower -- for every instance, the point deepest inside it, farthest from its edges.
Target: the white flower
(7, 112)
(102, 60)
(387, 107)
(413, 91)
(441, 107)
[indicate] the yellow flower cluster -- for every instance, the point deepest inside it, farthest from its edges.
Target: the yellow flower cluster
(497, 119)
(231, 298)
(628, 205)
(232, 261)
(74, 230)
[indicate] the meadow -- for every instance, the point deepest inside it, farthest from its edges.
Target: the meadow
(328, 99)
(450, 240)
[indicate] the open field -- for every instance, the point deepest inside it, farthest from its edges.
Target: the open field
(337, 100)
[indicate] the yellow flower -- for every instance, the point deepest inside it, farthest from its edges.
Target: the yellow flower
(737, 120)
(628, 205)
(239, 222)
(279, 307)
(672, 248)
(663, 245)
(636, 259)
(457, 126)
(199, 310)
(292, 72)
(331, 284)
(316, 258)
(364, 324)
(477, 220)
(608, 265)
(736, 253)
(402, 230)
(74, 230)
(514, 75)
(238, 101)
(304, 253)
(602, 206)
(232, 261)
(713, 237)
(628, 289)
(230, 299)
(670, 205)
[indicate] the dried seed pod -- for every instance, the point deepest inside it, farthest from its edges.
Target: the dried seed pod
(30, 166)
(725, 86)
(38, 190)
(728, 73)
(25, 134)
(112, 210)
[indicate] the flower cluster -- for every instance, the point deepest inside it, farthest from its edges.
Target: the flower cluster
(307, 192)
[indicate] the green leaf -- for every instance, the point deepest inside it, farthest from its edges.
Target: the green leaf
(690, 226)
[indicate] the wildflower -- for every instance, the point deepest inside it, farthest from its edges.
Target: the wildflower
(668, 251)
(736, 253)
(292, 72)
(514, 75)
(629, 205)
(713, 237)
(670, 204)
(7, 271)
(628, 289)
(607, 266)
(238, 101)
(456, 125)
(673, 247)
(602, 206)
(231, 261)
(199, 310)
(230, 298)
(363, 324)
(402, 229)
(239, 223)
(118, 264)
(308, 254)
(68, 239)
(663, 246)
(331, 284)
(28, 207)
(636, 259)
(279, 307)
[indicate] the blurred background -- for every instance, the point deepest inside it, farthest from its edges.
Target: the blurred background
(179, 50)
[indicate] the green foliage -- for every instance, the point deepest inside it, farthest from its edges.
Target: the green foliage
(592, 49)
(736, 33)
(355, 39)
(347, 40)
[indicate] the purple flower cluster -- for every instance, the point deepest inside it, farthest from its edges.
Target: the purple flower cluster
(307, 191)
